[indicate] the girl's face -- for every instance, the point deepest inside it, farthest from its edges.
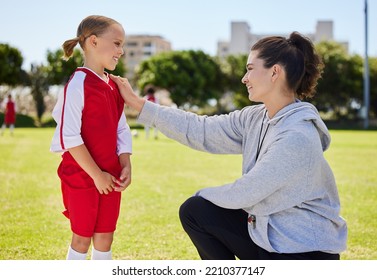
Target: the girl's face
(110, 46)
(257, 78)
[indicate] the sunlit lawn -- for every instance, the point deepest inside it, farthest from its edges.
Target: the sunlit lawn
(165, 173)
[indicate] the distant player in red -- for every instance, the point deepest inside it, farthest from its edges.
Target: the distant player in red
(9, 115)
(95, 139)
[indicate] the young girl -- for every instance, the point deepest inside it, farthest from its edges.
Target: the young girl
(95, 139)
(286, 204)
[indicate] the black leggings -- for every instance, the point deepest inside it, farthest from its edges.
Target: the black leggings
(222, 234)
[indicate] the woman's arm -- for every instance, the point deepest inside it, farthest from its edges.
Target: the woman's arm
(217, 134)
(279, 180)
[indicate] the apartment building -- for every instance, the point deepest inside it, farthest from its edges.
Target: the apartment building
(141, 47)
(241, 38)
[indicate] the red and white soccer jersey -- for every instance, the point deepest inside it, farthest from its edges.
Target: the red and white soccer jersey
(74, 110)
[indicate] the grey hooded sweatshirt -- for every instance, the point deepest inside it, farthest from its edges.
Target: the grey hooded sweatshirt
(289, 189)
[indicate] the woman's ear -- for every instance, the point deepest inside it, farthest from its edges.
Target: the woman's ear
(276, 70)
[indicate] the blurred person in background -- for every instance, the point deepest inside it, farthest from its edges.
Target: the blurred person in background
(9, 107)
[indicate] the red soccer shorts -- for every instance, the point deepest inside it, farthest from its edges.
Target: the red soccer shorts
(89, 211)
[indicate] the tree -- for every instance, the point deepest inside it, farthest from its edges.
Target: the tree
(341, 82)
(39, 87)
(191, 77)
(59, 70)
(11, 61)
(234, 68)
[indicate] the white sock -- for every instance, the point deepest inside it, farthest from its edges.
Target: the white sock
(98, 255)
(74, 255)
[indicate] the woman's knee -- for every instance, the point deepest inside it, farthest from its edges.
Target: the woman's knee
(191, 208)
(189, 205)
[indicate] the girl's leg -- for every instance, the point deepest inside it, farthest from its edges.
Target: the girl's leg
(78, 248)
(217, 233)
(101, 249)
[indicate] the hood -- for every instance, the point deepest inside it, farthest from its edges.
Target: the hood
(303, 111)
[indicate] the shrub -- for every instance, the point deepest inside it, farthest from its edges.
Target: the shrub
(21, 120)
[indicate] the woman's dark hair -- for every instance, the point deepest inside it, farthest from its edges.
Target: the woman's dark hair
(303, 66)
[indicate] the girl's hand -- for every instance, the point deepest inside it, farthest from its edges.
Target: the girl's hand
(125, 179)
(104, 183)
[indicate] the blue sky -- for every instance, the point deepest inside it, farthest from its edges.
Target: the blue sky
(37, 26)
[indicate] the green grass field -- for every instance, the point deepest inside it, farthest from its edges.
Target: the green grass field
(165, 173)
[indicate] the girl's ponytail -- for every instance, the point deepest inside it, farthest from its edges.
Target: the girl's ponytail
(68, 47)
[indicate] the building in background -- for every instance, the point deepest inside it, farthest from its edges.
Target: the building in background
(241, 38)
(141, 47)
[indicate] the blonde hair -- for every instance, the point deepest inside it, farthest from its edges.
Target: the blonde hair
(91, 25)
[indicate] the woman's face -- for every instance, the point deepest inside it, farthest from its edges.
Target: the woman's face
(257, 78)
